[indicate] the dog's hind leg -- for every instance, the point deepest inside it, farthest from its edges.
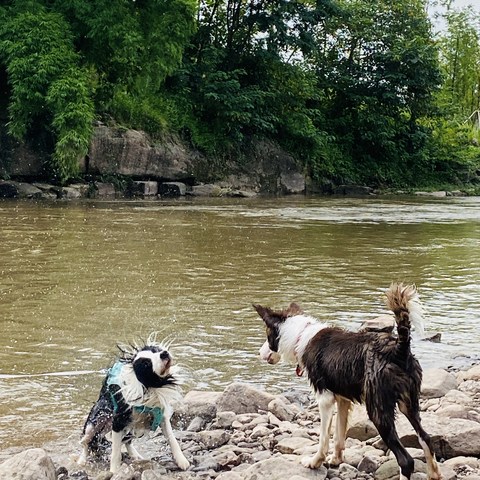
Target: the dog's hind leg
(433, 471)
(88, 435)
(326, 403)
(177, 453)
(386, 429)
(343, 409)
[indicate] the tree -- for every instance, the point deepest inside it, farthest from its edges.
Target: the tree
(50, 91)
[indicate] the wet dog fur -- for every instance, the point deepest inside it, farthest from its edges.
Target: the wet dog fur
(138, 390)
(377, 369)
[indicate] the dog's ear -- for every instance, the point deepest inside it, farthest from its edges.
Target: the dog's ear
(294, 309)
(264, 312)
(270, 317)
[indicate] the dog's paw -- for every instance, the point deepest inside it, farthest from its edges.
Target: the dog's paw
(312, 462)
(182, 463)
(334, 461)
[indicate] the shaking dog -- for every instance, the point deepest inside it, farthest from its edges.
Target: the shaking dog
(137, 395)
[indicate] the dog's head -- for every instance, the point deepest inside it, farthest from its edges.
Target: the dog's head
(273, 321)
(151, 365)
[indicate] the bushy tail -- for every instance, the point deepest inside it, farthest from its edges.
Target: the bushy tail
(404, 302)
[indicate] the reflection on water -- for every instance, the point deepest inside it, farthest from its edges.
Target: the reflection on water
(78, 278)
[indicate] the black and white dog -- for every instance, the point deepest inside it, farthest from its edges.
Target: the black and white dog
(136, 396)
(377, 369)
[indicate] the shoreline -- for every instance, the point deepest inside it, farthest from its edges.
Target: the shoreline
(244, 433)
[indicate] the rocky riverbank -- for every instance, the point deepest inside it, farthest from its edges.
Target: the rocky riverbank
(244, 433)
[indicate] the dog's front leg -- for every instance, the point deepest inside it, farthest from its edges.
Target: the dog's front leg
(177, 453)
(116, 458)
(343, 409)
(326, 403)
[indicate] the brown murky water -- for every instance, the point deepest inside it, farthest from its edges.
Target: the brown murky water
(76, 278)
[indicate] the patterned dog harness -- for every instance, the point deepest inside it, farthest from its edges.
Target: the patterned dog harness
(113, 375)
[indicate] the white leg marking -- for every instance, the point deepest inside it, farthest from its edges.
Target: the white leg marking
(116, 458)
(87, 437)
(326, 403)
(177, 453)
(433, 472)
(343, 409)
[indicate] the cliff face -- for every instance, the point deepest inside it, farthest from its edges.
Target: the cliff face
(120, 151)
(130, 152)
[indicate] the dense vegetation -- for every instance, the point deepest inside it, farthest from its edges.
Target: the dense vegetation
(356, 90)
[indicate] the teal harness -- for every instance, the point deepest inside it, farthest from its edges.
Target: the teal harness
(155, 412)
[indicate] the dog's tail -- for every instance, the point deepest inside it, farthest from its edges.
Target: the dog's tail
(404, 302)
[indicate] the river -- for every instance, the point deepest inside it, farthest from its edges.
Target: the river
(78, 278)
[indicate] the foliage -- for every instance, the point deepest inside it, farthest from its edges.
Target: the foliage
(48, 87)
(353, 89)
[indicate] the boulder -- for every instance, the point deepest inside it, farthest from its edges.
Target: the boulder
(243, 398)
(130, 152)
(360, 426)
(279, 468)
(32, 464)
(437, 382)
(451, 437)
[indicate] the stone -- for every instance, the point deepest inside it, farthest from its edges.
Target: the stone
(437, 382)
(243, 398)
(279, 467)
(27, 190)
(368, 464)
(105, 189)
(292, 444)
(360, 426)
(292, 182)
(208, 190)
(32, 464)
(382, 323)
(213, 438)
(451, 437)
(131, 152)
(126, 472)
(281, 410)
(225, 419)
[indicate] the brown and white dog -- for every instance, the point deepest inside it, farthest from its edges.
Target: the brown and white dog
(377, 369)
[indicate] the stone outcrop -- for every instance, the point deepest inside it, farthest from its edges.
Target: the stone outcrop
(131, 152)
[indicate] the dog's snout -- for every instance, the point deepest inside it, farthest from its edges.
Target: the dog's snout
(165, 355)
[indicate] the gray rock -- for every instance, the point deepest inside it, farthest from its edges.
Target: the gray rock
(281, 410)
(437, 382)
(368, 464)
(105, 189)
(294, 444)
(279, 468)
(32, 464)
(243, 398)
(27, 190)
(213, 438)
(130, 152)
